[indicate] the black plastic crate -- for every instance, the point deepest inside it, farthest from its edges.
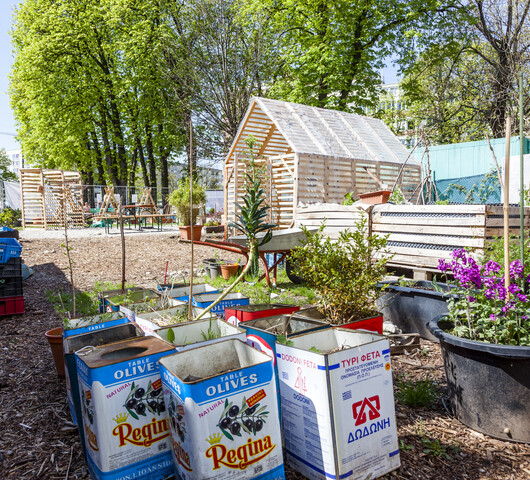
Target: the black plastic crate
(12, 268)
(11, 287)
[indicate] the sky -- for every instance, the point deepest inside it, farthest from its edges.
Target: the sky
(7, 122)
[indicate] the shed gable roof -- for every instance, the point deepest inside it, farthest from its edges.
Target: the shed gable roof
(284, 127)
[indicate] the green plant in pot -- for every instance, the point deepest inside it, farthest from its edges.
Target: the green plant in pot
(485, 342)
(180, 198)
(345, 272)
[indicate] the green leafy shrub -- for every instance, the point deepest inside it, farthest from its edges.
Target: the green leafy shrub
(180, 199)
(10, 217)
(346, 272)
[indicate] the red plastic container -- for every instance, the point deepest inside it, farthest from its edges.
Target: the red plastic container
(372, 324)
(236, 315)
(11, 305)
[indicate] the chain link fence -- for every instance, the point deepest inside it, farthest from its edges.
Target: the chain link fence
(475, 189)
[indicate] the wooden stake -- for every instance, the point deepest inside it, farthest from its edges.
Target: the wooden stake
(506, 208)
(191, 221)
(122, 234)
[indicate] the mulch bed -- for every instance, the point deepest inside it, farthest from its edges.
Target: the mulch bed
(38, 440)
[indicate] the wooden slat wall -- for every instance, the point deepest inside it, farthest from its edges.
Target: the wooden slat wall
(326, 179)
(420, 235)
(277, 180)
(42, 194)
(337, 217)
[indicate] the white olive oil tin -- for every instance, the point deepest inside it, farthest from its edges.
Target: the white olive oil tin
(223, 413)
(125, 419)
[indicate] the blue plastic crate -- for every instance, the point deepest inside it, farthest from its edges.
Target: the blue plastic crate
(9, 248)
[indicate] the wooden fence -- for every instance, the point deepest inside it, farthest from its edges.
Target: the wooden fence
(419, 235)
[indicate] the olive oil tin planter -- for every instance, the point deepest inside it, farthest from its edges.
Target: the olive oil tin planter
(230, 300)
(338, 404)
(489, 384)
(91, 323)
(183, 293)
(200, 332)
(223, 413)
(106, 294)
(244, 313)
(74, 343)
(410, 308)
(152, 320)
(124, 416)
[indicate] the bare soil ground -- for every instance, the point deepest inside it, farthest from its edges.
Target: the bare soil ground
(38, 440)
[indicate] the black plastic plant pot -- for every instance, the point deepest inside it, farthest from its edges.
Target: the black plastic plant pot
(411, 308)
(489, 384)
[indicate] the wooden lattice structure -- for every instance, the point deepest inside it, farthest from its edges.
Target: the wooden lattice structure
(312, 155)
(50, 198)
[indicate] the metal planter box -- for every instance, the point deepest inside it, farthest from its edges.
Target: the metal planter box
(371, 324)
(262, 334)
(78, 325)
(74, 343)
(116, 302)
(200, 332)
(183, 293)
(338, 404)
(232, 299)
(223, 413)
(106, 294)
(151, 321)
(151, 305)
(124, 416)
(245, 313)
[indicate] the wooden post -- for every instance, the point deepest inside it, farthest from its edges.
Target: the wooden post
(43, 199)
(521, 171)
(506, 207)
(190, 308)
(22, 199)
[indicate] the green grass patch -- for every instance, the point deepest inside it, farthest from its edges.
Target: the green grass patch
(421, 393)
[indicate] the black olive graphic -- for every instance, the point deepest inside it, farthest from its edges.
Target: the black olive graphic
(225, 422)
(249, 423)
(250, 411)
(139, 393)
(131, 403)
(235, 428)
(259, 425)
(162, 406)
(140, 409)
(233, 411)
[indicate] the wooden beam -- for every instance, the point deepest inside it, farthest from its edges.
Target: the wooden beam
(270, 133)
(240, 132)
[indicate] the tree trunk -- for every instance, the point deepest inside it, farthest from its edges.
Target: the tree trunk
(152, 162)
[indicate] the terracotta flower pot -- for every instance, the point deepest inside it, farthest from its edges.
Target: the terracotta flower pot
(374, 198)
(55, 339)
(185, 232)
(229, 270)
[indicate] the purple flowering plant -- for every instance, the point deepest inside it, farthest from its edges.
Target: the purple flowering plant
(481, 308)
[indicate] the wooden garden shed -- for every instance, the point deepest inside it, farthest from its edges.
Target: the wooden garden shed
(312, 155)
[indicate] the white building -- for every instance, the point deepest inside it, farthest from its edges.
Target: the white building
(17, 160)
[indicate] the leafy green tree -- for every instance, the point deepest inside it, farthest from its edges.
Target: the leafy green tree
(332, 52)
(6, 175)
(218, 56)
(86, 89)
(464, 89)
